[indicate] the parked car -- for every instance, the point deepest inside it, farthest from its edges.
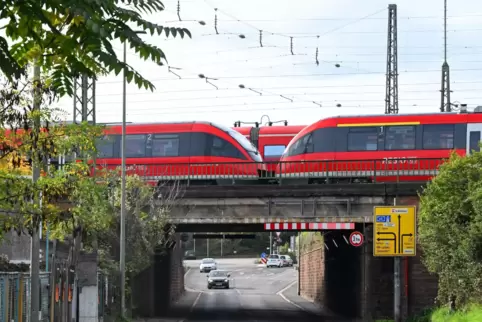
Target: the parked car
(218, 278)
(207, 265)
(189, 254)
(286, 260)
(274, 261)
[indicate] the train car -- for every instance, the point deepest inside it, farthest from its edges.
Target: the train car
(198, 152)
(379, 148)
(271, 141)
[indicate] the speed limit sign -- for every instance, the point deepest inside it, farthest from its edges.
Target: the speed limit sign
(356, 239)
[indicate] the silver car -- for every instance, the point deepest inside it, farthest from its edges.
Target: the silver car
(286, 260)
(207, 265)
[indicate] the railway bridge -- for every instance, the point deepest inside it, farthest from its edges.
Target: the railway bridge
(364, 284)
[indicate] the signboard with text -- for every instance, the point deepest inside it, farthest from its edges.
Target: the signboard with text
(394, 231)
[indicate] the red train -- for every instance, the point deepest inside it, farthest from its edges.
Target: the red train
(378, 147)
(201, 152)
(271, 141)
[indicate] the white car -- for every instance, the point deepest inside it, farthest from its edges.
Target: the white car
(274, 261)
(207, 265)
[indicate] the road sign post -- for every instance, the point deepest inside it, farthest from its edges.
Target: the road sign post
(394, 235)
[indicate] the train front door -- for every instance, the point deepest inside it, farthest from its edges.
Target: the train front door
(474, 132)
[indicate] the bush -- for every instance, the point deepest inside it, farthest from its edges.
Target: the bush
(450, 228)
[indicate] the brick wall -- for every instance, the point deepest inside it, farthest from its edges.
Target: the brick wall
(312, 268)
(312, 271)
(177, 270)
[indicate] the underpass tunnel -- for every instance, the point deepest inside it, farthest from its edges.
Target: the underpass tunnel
(343, 277)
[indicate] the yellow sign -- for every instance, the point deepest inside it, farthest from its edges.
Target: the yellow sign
(394, 231)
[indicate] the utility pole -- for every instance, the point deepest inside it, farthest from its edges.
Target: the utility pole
(207, 247)
(391, 94)
(270, 242)
(122, 260)
(84, 100)
(35, 241)
(123, 210)
(445, 103)
(397, 282)
(391, 107)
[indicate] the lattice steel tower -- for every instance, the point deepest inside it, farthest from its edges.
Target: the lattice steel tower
(445, 103)
(84, 100)
(391, 95)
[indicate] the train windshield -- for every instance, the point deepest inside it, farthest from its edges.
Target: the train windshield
(245, 143)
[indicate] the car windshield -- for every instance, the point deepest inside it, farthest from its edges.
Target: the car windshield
(207, 261)
(218, 274)
(274, 257)
(245, 143)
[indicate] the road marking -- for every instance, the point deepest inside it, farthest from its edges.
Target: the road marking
(237, 291)
(280, 293)
(187, 271)
(193, 305)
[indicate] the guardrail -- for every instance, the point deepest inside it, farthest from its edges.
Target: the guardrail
(328, 171)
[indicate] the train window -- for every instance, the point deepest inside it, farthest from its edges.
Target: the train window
(222, 148)
(438, 136)
(363, 139)
(400, 138)
(302, 146)
(136, 146)
(165, 145)
(474, 140)
(272, 151)
(105, 146)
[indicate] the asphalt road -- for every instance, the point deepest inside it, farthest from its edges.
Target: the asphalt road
(256, 294)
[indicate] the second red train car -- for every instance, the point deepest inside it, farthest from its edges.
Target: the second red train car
(379, 147)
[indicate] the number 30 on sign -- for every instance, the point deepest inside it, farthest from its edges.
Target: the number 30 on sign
(356, 239)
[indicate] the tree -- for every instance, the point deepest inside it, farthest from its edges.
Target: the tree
(450, 228)
(70, 38)
(65, 199)
(147, 229)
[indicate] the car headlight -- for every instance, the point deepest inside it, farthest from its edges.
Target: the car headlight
(226, 280)
(210, 280)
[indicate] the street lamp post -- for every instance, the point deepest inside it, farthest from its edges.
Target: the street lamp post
(122, 260)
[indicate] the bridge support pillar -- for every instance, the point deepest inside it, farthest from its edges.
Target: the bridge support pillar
(366, 263)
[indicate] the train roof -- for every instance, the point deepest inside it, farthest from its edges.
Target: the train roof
(370, 119)
(272, 130)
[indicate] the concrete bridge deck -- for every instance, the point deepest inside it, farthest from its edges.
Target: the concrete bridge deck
(265, 204)
(302, 191)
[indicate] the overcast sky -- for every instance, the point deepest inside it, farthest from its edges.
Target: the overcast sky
(352, 34)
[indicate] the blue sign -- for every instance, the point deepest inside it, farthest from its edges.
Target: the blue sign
(384, 218)
(263, 255)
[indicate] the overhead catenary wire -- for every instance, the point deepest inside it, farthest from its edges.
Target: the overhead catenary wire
(199, 110)
(300, 75)
(262, 43)
(287, 35)
(479, 98)
(306, 87)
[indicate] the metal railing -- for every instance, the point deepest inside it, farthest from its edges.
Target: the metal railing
(380, 170)
(15, 298)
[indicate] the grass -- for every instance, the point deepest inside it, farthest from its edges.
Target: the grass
(472, 313)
